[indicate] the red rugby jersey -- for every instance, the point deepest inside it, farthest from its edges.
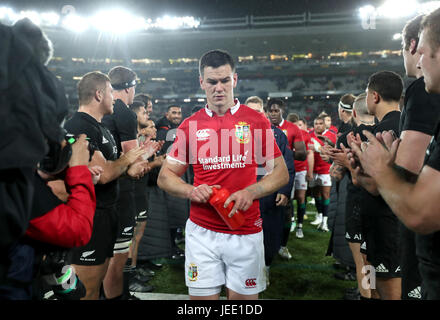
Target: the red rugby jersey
(321, 166)
(303, 165)
(225, 151)
(292, 131)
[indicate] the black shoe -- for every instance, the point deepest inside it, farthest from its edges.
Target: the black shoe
(352, 290)
(348, 276)
(149, 264)
(133, 297)
(141, 278)
(137, 286)
(352, 296)
(143, 271)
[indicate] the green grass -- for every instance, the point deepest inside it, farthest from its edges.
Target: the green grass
(309, 275)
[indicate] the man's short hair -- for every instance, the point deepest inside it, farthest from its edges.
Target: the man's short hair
(320, 117)
(136, 105)
(173, 106)
(431, 23)
(89, 84)
(215, 59)
(271, 102)
(411, 31)
(388, 84)
(346, 102)
(122, 78)
(323, 114)
(292, 117)
(360, 105)
(254, 99)
(143, 97)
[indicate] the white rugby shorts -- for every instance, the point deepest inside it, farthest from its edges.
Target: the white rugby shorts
(322, 180)
(214, 259)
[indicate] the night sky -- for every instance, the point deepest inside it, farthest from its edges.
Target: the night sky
(198, 8)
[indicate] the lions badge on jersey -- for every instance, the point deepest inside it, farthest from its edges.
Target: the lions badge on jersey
(192, 272)
(242, 132)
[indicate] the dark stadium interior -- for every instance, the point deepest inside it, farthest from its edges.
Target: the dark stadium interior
(315, 51)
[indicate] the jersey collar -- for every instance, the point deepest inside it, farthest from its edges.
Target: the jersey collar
(281, 123)
(233, 110)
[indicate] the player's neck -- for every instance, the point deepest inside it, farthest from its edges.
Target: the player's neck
(92, 111)
(386, 108)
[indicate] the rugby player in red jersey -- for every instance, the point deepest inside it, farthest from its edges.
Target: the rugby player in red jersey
(224, 142)
(321, 184)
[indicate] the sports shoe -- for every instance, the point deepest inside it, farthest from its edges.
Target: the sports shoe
(317, 220)
(144, 271)
(323, 225)
(284, 252)
(137, 286)
(352, 294)
(299, 233)
(292, 226)
(347, 276)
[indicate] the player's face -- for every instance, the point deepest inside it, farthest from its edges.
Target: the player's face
(275, 114)
(174, 115)
(131, 94)
(150, 130)
(149, 107)
(328, 122)
(319, 126)
(218, 84)
(301, 125)
(142, 116)
(256, 106)
(107, 101)
(371, 105)
(429, 62)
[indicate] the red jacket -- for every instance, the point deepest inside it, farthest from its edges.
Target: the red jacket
(69, 224)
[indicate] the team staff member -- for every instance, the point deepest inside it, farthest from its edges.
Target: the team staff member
(321, 183)
(96, 100)
(415, 203)
(216, 255)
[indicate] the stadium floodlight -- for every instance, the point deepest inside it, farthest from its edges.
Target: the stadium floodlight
(49, 19)
(75, 23)
(31, 15)
(367, 12)
(117, 21)
(397, 36)
(429, 6)
(173, 23)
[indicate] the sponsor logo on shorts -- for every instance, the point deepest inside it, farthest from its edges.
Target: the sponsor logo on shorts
(397, 269)
(416, 293)
(357, 237)
(347, 236)
(192, 272)
(250, 283)
(86, 254)
(381, 268)
(104, 140)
